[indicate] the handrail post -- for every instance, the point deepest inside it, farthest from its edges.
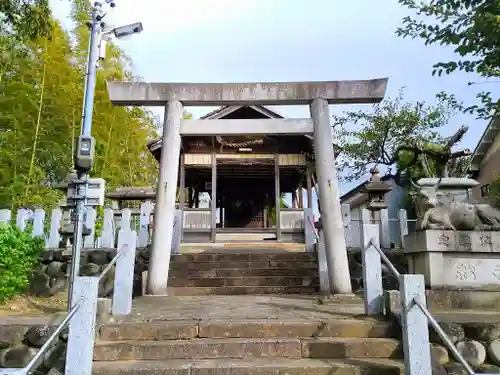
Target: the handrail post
(372, 271)
(416, 346)
(324, 280)
(124, 273)
(309, 229)
(81, 337)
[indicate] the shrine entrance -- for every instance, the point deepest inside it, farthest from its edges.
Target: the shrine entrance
(246, 191)
(296, 144)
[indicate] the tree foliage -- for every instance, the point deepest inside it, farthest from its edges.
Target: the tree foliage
(41, 91)
(494, 193)
(472, 28)
(19, 252)
(25, 19)
(394, 134)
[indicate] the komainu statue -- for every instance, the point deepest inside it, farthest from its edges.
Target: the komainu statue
(438, 209)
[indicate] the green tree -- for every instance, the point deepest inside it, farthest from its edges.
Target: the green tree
(392, 135)
(25, 19)
(494, 193)
(472, 28)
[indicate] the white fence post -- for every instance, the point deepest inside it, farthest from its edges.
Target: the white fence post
(366, 217)
(385, 234)
(372, 271)
(5, 216)
(143, 234)
(417, 355)
(346, 215)
(124, 273)
(22, 218)
(177, 233)
(126, 220)
(38, 223)
(403, 225)
(55, 224)
(108, 235)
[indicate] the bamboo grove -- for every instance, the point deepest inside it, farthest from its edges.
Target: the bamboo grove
(41, 92)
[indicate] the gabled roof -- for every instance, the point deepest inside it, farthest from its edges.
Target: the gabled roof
(485, 142)
(228, 109)
(225, 110)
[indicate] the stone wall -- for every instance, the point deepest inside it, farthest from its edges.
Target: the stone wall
(21, 339)
(478, 343)
(51, 274)
(389, 282)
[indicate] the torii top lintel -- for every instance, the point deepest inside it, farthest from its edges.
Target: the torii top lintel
(264, 93)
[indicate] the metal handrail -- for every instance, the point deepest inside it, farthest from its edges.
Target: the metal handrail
(427, 314)
(112, 263)
(444, 337)
(34, 361)
(386, 260)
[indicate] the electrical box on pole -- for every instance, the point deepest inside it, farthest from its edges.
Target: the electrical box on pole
(84, 153)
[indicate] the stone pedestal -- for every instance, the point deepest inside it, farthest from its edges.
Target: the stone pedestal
(455, 260)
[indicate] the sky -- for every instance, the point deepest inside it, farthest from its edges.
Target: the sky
(283, 40)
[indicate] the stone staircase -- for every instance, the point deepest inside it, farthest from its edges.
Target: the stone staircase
(265, 270)
(247, 335)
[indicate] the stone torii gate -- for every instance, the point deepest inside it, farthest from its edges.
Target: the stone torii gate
(318, 95)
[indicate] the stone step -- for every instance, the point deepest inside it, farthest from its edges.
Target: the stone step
(256, 366)
(298, 281)
(206, 266)
(240, 290)
(243, 348)
(243, 272)
(245, 328)
(246, 256)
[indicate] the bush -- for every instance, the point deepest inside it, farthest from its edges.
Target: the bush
(19, 253)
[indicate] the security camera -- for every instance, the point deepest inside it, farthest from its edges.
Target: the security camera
(122, 31)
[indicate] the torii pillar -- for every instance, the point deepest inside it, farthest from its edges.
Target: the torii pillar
(318, 95)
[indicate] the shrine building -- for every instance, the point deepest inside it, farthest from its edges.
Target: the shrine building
(245, 178)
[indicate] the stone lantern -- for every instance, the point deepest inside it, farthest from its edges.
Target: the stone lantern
(376, 190)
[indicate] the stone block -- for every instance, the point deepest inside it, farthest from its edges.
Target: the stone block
(197, 349)
(328, 347)
(452, 241)
(448, 299)
(299, 328)
(182, 330)
(255, 366)
(455, 259)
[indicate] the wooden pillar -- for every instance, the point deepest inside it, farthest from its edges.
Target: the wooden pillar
(213, 201)
(165, 200)
(309, 186)
(277, 197)
(301, 195)
(294, 199)
(190, 197)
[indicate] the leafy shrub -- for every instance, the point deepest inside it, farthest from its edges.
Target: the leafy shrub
(19, 253)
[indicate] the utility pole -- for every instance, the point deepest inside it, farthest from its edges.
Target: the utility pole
(85, 143)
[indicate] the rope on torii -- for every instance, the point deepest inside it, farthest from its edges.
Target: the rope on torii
(249, 142)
